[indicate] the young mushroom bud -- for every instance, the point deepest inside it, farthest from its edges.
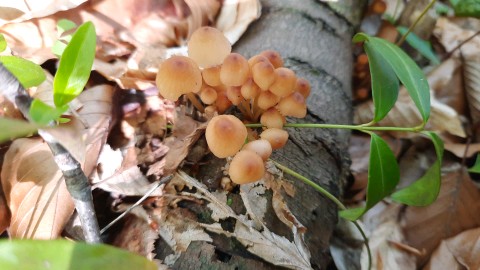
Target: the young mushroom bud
(208, 47)
(303, 87)
(235, 70)
(178, 75)
(262, 147)
(256, 59)
(263, 74)
(293, 105)
(246, 167)
(267, 99)
(272, 118)
(225, 135)
(211, 76)
(277, 137)
(234, 95)
(208, 95)
(284, 83)
(274, 57)
(249, 89)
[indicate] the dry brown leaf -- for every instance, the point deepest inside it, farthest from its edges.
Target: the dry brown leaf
(472, 87)
(35, 191)
(18, 11)
(458, 149)
(458, 252)
(136, 234)
(269, 246)
(384, 254)
(450, 35)
(86, 136)
(455, 210)
(235, 16)
(4, 212)
(185, 133)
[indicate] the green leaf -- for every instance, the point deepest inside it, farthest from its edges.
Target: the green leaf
(384, 83)
(383, 177)
(422, 46)
(43, 114)
(407, 71)
(65, 25)
(75, 65)
(14, 128)
(28, 73)
(467, 8)
(3, 43)
(476, 166)
(62, 254)
(58, 48)
(425, 190)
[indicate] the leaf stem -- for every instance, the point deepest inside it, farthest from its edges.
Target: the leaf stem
(352, 127)
(402, 39)
(329, 196)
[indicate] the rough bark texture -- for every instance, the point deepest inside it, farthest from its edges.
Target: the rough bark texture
(315, 41)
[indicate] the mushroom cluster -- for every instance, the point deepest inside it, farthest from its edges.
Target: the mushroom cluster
(260, 87)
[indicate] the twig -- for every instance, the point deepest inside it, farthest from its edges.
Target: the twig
(75, 179)
(161, 182)
(402, 39)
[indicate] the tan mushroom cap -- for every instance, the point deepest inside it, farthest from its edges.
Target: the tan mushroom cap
(211, 76)
(250, 89)
(262, 147)
(284, 83)
(178, 75)
(263, 74)
(235, 70)
(303, 87)
(277, 137)
(208, 47)
(274, 57)
(225, 135)
(208, 95)
(246, 167)
(272, 118)
(293, 105)
(267, 99)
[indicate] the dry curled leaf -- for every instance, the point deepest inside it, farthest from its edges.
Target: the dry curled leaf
(459, 252)
(472, 87)
(235, 16)
(450, 35)
(35, 191)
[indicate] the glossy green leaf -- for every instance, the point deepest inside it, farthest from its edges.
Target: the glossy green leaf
(3, 43)
(28, 73)
(407, 71)
(43, 114)
(65, 25)
(63, 254)
(58, 48)
(384, 83)
(75, 65)
(425, 190)
(383, 176)
(467, 8)
(422, 46)
(14, 128)
(476, 166)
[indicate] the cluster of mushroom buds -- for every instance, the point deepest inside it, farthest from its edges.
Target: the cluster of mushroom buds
(260, 87)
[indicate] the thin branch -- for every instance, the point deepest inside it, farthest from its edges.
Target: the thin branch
(75, 179)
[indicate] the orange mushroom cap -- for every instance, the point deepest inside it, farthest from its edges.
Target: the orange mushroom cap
(178, 75)
(225, 135)
(277, 137)
(208, 47)
(246, 167)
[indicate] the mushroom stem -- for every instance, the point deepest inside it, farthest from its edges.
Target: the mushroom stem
(191, 96)
(246, 106)
(256, 110)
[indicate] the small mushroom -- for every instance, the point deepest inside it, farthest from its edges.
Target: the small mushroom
(208, 47)
(225, 135)
(211, 76)
(208, 95)
(250, 89)
(263, 74)
(235, 70)
(277, 137)
(293, 105)
(178, 75)
(303, 87)
(262, 147)
(267, 99)
(246, 167)
(274, 57)
(272, 118)
(284, 83)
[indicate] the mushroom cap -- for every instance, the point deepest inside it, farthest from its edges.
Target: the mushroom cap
(178, 75)
(225, 135)
(234, 95)
(284, 83)
(208, 46)
(235, 70)
(272, 118)
(277, 137)
(274, 57)
(246, 167)
(262, 147)
(208, 95)
(250, 89)
(222, 103)
(293, 105)
(211, 75)
(267, 99)
(263, 74)
(302, 86)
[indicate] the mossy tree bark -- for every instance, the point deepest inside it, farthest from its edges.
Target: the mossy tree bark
(315, 40)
